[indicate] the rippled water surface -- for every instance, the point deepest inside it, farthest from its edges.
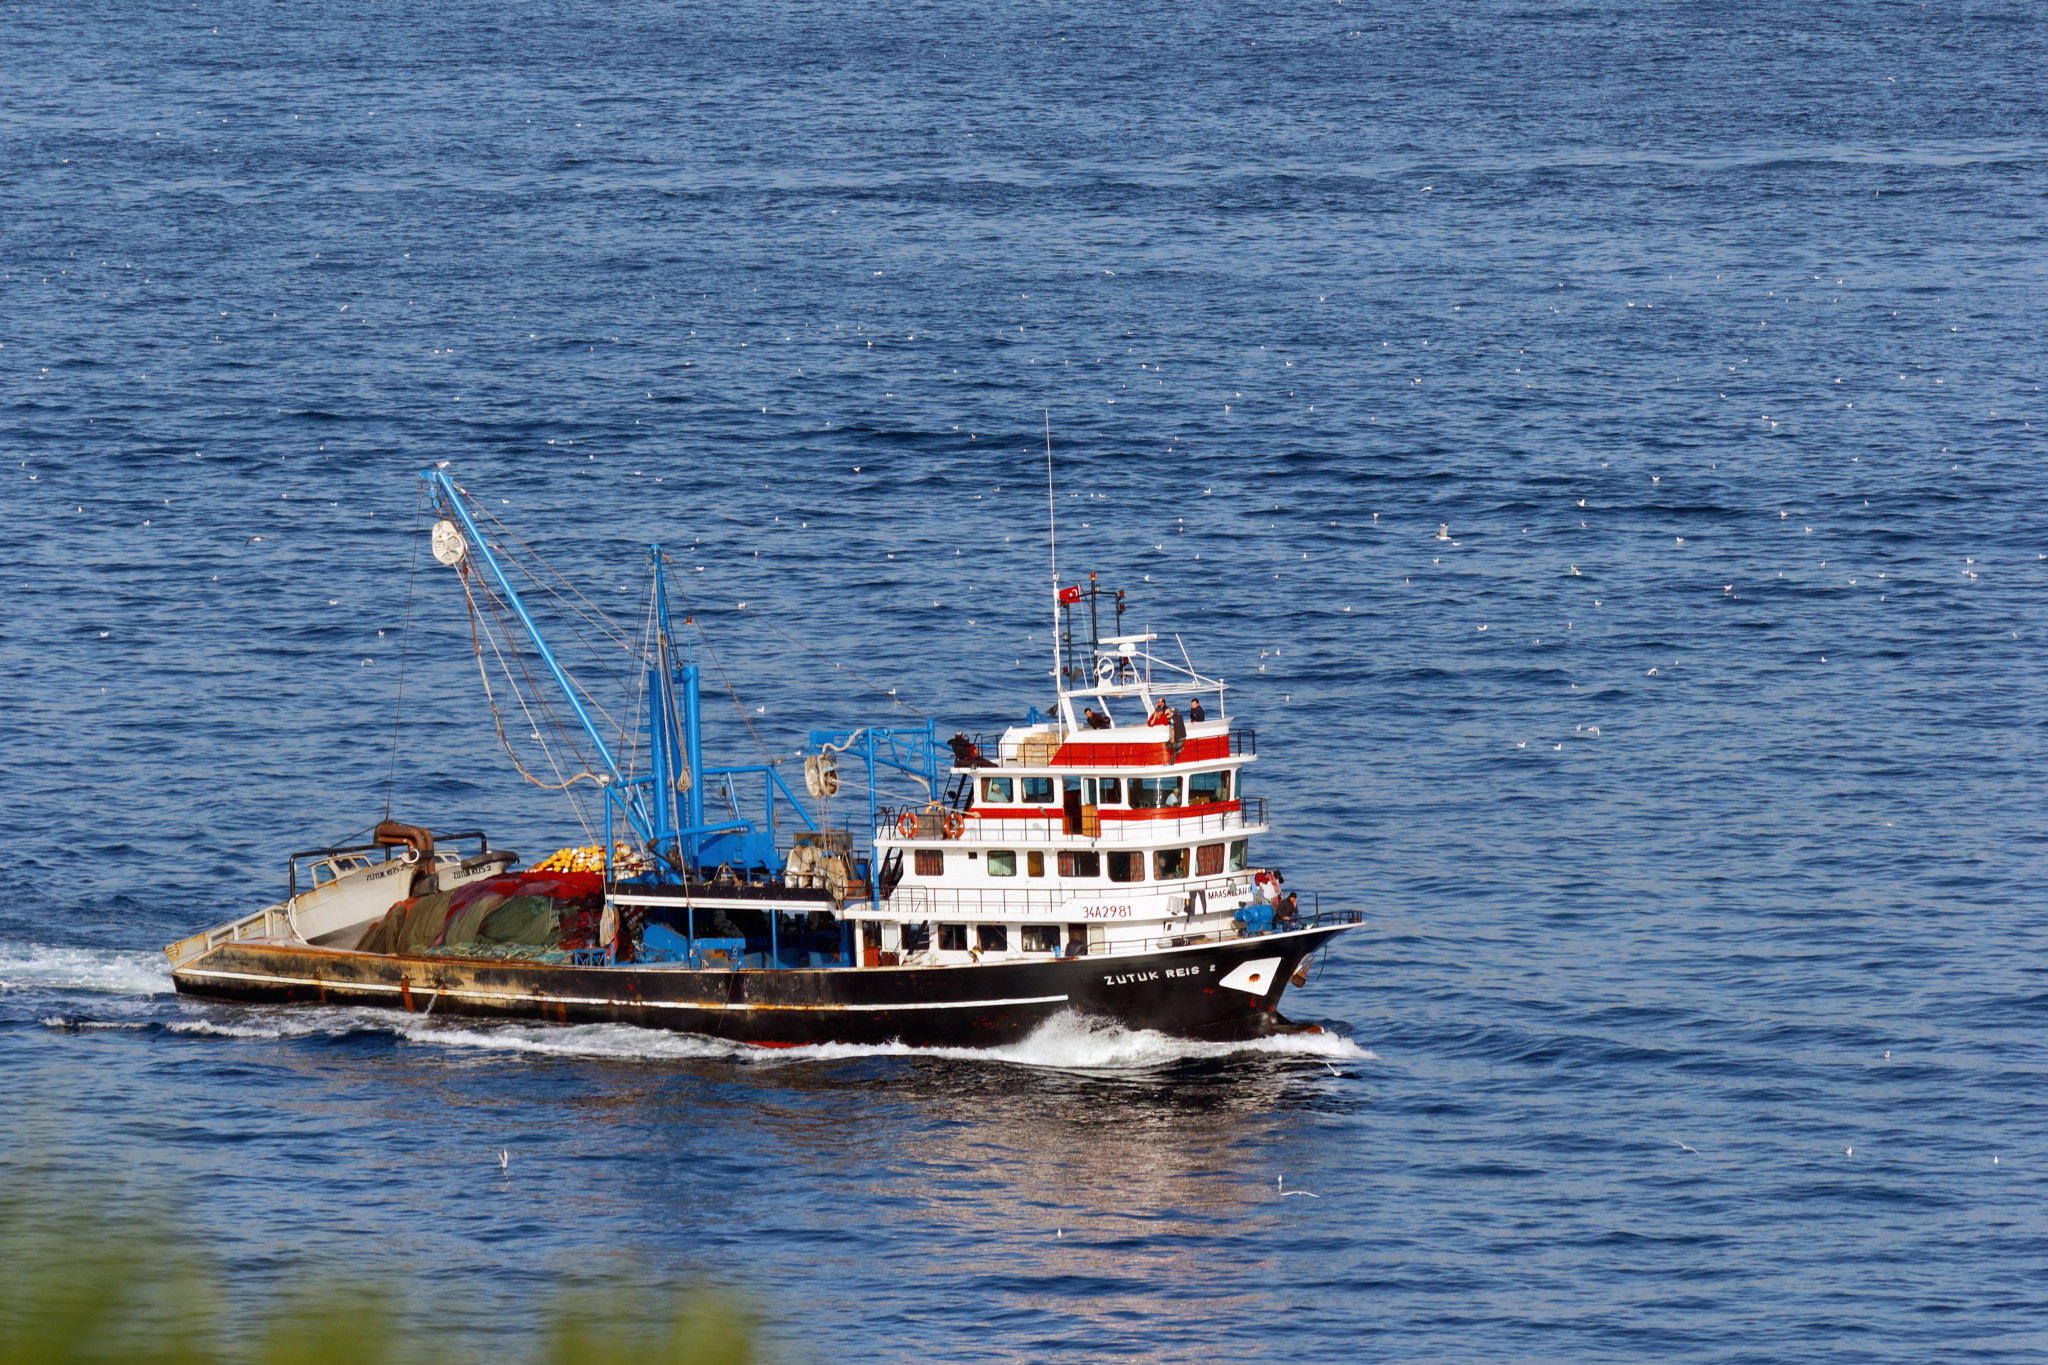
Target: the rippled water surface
(1691, 778)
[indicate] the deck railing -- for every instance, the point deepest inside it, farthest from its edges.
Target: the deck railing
(1036, 751)
(1245, 813)
(910, 901)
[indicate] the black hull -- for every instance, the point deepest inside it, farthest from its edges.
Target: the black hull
(1174, 990)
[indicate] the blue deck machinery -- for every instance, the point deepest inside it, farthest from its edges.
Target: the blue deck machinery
(665, 807)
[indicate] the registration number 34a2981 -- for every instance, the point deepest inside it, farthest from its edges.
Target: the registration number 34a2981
(1106, 911)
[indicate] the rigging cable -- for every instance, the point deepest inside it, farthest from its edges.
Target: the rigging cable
(540, 699)
(476, 642)
(730, 691)
(872, 686)
(404, 646)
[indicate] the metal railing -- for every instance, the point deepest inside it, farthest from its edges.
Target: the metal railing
(1036, 751)
(910, 901)
(1245, 813)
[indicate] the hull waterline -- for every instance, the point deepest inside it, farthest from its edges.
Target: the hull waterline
(1224, 991)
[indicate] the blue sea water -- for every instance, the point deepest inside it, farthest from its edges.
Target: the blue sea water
(1691, 780)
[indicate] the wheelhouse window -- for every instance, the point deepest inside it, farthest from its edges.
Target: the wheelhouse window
(992, 938)
(1037, 790)
(917, 936)
(1002, 862)
(995, 791)
(1153, 793)
(1083, 862)
(323, 873)
(1208, 860)
(1168, 864)
(1040, 938)
(952, 938)
(1207, 787)
(1237, 854)
(1034, 862)
(1127, 867)
(1112, 791)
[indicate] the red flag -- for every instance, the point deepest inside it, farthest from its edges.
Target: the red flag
(1069, 596)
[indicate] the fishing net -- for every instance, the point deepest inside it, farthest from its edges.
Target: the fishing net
(542, 916)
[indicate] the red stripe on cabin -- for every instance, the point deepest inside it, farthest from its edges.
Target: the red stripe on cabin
(1111, 813)
(1082, 753)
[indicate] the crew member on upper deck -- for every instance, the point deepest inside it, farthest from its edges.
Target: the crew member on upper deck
(1195, 711)
(1163, 714)
(1096, 720)
(965, 753)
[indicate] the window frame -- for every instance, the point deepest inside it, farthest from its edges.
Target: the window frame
(1002, 862)
(1160, 864)
(1070, 863)
(928, 862)
(1158, 788)
(989, 788)
(1132, 859)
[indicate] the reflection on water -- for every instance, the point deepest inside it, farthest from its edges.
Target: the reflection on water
(1090, 1174)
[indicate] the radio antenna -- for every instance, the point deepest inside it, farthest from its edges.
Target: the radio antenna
(1052, 527)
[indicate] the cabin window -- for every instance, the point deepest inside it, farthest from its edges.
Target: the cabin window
(1237, 848)
(1085, 862)
(1151, 793)
(1169, 864)
(1041, 938)
(995, 791)
(1034, 862)
(1088, 791)
(917, 937)
(1208, 787)
(931, 862)
(1127, 867)
(1208, 860)
(1112, 791)
(992, 938)
(323, 873)
(1037, 790)
(952, 938)
(1002, 862)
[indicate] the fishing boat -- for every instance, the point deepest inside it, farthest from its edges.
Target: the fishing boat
(1094, 858)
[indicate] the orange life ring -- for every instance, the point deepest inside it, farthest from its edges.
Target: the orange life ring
(906, 824)
(956, 825)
